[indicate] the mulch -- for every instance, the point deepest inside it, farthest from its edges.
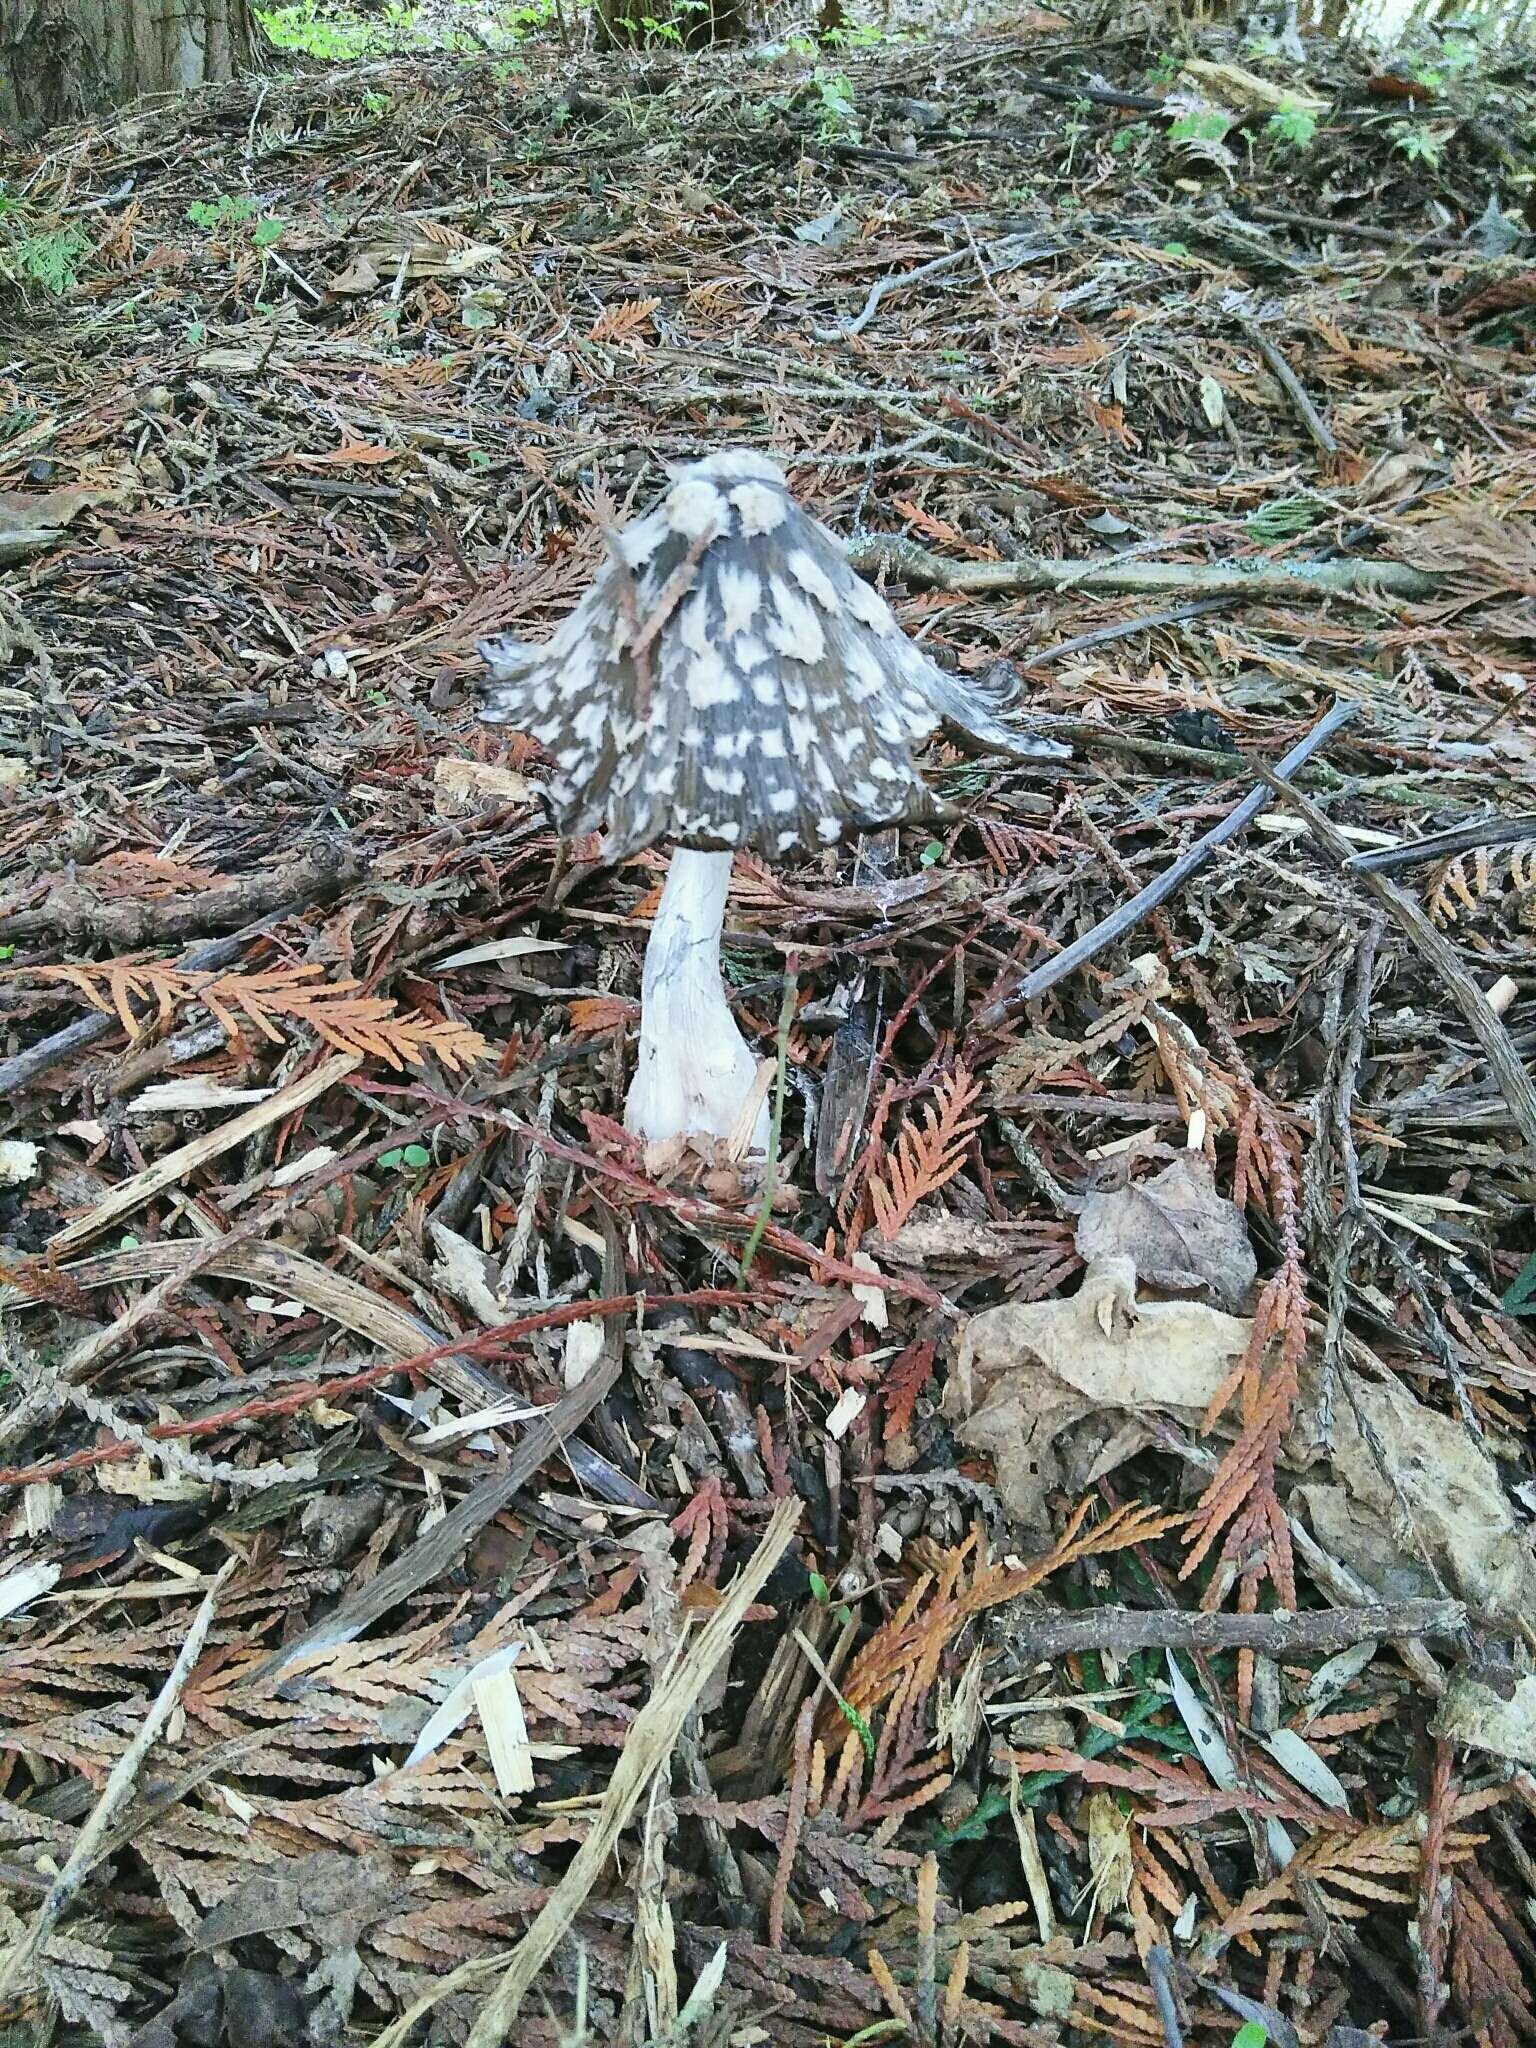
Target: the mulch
(321, 1038)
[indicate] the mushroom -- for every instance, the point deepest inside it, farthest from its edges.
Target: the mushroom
(727, 681)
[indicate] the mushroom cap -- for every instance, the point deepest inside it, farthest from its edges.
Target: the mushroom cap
(728, 680)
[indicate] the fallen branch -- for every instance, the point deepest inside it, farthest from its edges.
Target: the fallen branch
(1442, 845)
(26, 540)
(1292, 386)
(435, 1553)
(88, 919)
(24, 1068)
(1509, 1070)
(1120, 920)
(1055, 1632)
(1009, 252)
(894, 555)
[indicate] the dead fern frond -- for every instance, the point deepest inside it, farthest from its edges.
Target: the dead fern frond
(928, 1154)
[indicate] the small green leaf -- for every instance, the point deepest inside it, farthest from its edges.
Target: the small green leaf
(821, 1592)
(391, 1160)
(1520, 1296)
(932, 853)
(416, 1156)
(1206, 125)
(1293, 125)
(1252, 2034)
(973, 1828)
(7, 952)
(267, 233)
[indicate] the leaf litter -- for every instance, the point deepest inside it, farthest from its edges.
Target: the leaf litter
(442, 1593)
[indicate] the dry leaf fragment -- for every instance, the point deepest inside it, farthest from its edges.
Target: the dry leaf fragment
(414, 251)
(515, 948)
(1109, 1852)
(1211, 1747)
(1414, 1499)
(35, 519)
(1177, 1231)
(461, 787)
(1029, 1372)
(1474, 1714)
(1301, 1762)
(321, 1893)
(467, 1274)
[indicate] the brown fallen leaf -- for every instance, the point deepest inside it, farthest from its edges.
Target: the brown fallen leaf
(460, 787)
(1413, 1500)
(1480, 1716)
(35, 519)
(1029, 1373)
(1177, 1231)
(325, 1891)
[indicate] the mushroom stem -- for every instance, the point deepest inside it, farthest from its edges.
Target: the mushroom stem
(696, 1071)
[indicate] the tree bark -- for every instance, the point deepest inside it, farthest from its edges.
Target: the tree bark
(62, 59)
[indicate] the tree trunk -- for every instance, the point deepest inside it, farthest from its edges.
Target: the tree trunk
(656, 24)
(61, 59)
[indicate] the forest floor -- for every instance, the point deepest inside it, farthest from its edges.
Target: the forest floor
(1154, 1666)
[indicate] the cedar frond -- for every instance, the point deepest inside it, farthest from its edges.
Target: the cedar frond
(903, 1381)
(338, 1013)
(1241, 1504)
(1351, 1872)
(370, 1026)
(928, 1154)
(1493, 1964)
(1468, 880)
(913, 1641)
